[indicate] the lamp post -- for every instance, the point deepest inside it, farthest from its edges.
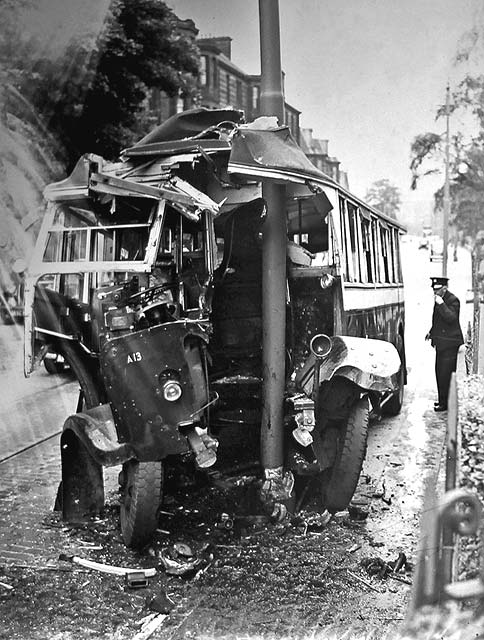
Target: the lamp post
(273, 270)
(445, 229)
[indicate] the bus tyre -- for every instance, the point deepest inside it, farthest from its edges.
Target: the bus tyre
(88, 398)
(395, 403)
(339, 487)
(141, 494)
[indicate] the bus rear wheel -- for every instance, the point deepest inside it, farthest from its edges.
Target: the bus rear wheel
(141, 495)
(340, 481)
(394, 405)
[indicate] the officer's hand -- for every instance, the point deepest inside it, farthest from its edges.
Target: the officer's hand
(427, 337)
(438, 300)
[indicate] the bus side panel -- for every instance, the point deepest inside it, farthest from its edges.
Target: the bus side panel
(382, 319)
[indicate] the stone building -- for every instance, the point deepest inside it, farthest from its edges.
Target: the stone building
(222, 84)
(317, 151)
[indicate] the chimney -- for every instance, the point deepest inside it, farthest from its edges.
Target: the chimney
(224, 43)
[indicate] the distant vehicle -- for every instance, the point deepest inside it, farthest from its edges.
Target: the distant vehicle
(12, 299)
(426, 237)
(437, 250)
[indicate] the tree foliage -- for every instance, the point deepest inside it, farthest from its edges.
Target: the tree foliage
(385, 197)
(466, 161)
(94, 97)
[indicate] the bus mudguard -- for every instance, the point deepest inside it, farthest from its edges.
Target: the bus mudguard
(88, 443)
(95, 429)
(372, 365)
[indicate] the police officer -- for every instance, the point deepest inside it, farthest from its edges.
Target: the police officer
(446, 337)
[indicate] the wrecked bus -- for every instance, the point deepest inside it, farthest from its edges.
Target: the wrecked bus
(146, 279)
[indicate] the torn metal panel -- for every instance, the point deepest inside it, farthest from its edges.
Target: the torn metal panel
(178, 147)
(183, 194)
(76, 185)
(191, 123)
(271, 154)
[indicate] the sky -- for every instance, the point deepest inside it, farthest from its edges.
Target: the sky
(368, 75)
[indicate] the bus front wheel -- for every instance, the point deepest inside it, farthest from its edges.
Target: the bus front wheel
(141, 495)
(340, 481)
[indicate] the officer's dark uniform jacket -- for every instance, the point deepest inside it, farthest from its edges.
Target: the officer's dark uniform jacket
(446, 332)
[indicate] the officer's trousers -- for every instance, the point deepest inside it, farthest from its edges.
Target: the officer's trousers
(445, 364)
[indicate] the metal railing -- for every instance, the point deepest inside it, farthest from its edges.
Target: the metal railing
(458, 512)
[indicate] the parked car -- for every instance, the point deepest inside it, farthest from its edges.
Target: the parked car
(12, 297)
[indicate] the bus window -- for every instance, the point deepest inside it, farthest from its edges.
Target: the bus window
(74, 244)
(384, 253)
(375, 249)
(102, 246)
(52, 248)
(131, 243)
(353, 243)
(344, 238)
(367, 250)
(308, 226)
(397, 260)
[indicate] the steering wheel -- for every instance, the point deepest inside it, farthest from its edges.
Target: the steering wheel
(147, 295)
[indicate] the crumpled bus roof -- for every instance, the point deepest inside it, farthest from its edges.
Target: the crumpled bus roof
(258, 150)
(249, 150)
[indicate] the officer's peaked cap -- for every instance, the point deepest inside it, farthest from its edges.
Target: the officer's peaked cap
(439, 281)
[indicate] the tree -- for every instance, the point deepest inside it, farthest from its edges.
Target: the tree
(466, 183)
(385, 197)
(94, 97)
(466, 168)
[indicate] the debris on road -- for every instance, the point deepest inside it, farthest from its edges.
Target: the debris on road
(183, 549)
(106, 568)
(359, 511)
(149, 625)
(161, 603)
(311, 522)
(136, 580)
(179, 560)
(382, 569)
(363, 581)
(225, 522)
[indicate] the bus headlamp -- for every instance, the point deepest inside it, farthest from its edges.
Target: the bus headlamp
(320, 345)
(326, 281)
(171, 390)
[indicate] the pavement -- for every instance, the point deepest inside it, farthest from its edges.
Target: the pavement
(28, 533)
(32, 534)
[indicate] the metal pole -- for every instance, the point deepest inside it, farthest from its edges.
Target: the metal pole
(445, 230)
(274, 253)
(448, 538)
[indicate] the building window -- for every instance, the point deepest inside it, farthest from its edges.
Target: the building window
(255, 97)
(239, 93)
(203, 70)
(229, 92)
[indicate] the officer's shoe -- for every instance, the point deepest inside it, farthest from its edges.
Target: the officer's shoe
(440, 407)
